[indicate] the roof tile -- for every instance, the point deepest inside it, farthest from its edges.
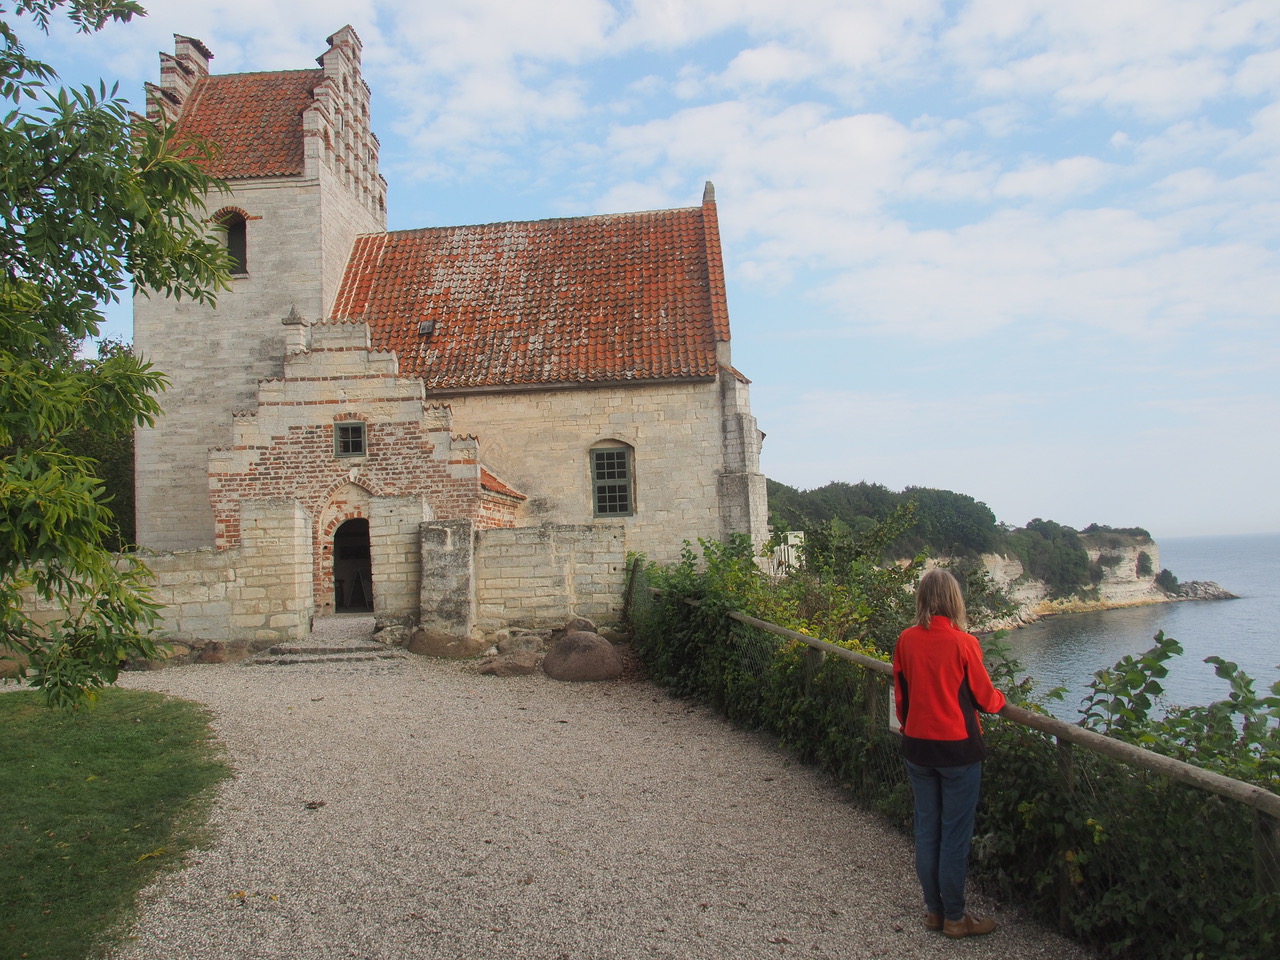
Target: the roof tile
(578, 300)
(254, 118)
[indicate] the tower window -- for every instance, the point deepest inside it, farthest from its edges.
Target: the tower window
(612, 482)
(348, 439)
(237, 243)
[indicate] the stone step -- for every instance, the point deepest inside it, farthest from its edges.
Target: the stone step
(283, 656)
(290, 649)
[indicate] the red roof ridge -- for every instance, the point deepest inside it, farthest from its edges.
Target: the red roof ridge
(409, 231)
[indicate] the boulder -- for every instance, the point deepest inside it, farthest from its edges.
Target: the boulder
(579, 624)
(582, 656)
(222, 651)
(12, 665)
(431, 643)
(212, 652)
(519, 664)
(615, 636)
(522, 643)
(393, 636)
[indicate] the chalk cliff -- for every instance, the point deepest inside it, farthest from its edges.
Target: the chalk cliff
(1118, 560)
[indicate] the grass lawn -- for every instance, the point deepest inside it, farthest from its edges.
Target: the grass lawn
(92, 807)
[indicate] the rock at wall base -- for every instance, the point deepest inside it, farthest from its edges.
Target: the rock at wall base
(582, 657)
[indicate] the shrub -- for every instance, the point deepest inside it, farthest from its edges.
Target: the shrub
(1132, 863)
(1144, 564)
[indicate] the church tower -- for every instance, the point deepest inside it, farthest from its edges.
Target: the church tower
(301, 162)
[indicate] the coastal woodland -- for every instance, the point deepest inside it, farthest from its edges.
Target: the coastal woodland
(942, 523)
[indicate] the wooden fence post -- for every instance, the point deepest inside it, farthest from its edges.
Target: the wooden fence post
(871, 698)
(1066, 888)
(1266, 852)
(812, 664)
(633, 574)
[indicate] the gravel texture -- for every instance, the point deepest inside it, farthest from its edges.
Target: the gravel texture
(412, 808)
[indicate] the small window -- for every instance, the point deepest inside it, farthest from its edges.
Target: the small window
(348, 439)
(611, 477)
(237, 243)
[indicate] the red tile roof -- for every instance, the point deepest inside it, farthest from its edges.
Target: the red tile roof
(637, 296)
(255, 118)
(489, 482)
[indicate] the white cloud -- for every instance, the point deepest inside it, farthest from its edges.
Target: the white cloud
(1162, 58)
(766, 66)
(1071, 177)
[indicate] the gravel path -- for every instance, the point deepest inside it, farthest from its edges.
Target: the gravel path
(413, 808)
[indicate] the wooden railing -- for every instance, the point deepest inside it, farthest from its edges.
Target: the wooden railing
(1265, 804)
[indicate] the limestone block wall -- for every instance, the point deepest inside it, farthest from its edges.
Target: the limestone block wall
(543, 576)
(744, 500)
(195, 588)
(447, 589)
(271, 596)
(539, 442)
(394, 550)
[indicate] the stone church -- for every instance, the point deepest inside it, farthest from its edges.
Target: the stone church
(455, 427)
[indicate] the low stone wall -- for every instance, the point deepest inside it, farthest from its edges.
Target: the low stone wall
(542, 576)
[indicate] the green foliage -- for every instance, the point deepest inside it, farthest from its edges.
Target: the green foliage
(955, 526)
(1131, 863)
(1052, 553)
(112, 460)
(92, 809)
(1136, 533)
(90, 200)
(1144, 567)
(944, 523)
(1167, 582)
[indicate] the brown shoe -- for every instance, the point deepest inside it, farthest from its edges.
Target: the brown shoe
(968, 926)
(933, 921)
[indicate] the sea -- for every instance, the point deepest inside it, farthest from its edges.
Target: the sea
(1065, 650)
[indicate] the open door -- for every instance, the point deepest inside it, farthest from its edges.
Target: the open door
(352, 569)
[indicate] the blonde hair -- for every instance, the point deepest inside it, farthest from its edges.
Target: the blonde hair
(939, 595)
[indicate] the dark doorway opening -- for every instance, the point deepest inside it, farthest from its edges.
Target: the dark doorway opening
(352, 569)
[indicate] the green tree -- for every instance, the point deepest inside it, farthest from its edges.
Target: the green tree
(90, 198)
(950, 524)
(1052, 553)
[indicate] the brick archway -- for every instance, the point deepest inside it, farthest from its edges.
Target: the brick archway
(350, 501)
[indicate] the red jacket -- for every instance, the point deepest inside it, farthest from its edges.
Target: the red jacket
(940, 684)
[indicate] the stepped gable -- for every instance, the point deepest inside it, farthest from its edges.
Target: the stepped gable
(254, 118)
(622, 297)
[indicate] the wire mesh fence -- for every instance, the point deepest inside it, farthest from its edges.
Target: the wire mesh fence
(1122, 848)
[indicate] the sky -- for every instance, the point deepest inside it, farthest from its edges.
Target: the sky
(1025, 250)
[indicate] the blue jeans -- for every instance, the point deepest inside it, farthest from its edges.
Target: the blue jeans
(946, 800)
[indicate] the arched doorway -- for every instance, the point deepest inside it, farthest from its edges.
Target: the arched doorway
(352, 570)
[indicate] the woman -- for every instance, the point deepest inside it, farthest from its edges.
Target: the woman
(940, 684)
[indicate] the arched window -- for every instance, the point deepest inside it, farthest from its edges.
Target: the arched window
(233, 222)
(612, 479)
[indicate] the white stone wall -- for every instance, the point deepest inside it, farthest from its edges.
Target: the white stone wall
(194, 586)
(215, 358)
(538, 441)
(271, 595)
(543, 576)
(395, 556)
